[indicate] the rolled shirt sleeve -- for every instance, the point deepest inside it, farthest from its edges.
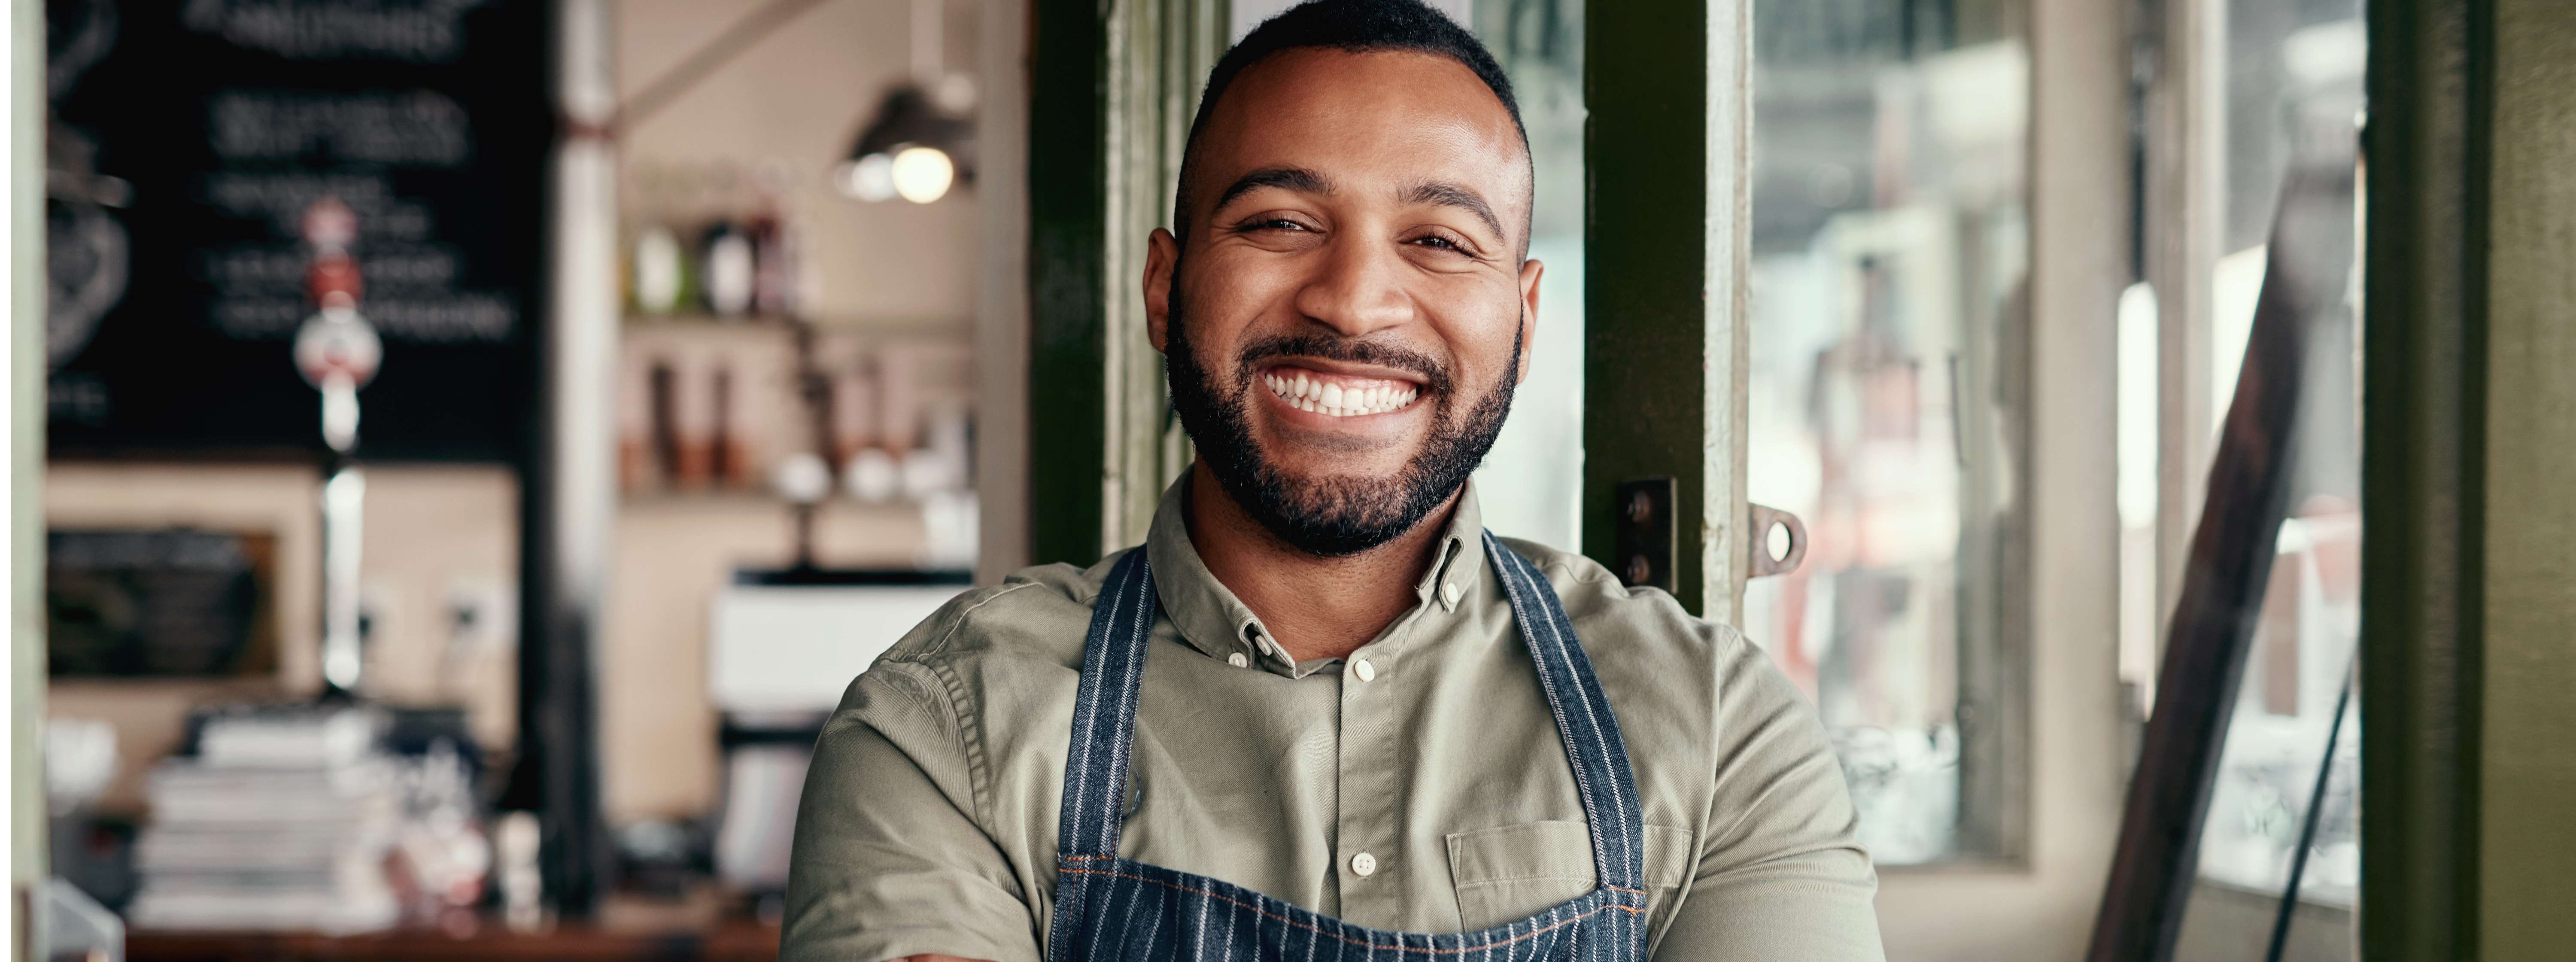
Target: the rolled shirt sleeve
(889, 861)
(1781, 875)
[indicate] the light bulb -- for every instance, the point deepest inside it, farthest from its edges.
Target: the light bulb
(869, 178)
(922, 174)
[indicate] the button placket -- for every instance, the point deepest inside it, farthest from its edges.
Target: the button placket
(1370, 824)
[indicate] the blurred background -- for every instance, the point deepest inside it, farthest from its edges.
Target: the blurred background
(480, 440)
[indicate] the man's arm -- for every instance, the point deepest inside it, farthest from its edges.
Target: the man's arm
(889, 861)
(1781, 876)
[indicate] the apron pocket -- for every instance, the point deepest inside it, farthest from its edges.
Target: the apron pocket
(1511, 872)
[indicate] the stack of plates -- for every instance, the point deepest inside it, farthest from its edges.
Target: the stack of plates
(284, 819)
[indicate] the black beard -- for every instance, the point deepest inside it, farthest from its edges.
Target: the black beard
(1337, 515)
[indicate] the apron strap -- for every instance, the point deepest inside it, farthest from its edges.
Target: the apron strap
(1583, 718)
(1104, 710)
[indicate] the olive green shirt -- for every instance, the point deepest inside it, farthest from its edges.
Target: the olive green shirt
(928, 823)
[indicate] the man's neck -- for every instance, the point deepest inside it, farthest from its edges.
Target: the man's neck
(1315, 607)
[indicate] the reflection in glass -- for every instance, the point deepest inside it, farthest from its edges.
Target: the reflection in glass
(1889, 251)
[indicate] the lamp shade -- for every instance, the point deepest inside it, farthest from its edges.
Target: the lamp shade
(910, 148)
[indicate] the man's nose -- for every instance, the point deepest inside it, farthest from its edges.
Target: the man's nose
(1357, 288)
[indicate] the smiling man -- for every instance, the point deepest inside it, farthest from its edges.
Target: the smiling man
(1321, 713)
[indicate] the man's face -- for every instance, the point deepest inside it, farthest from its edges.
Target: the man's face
(1344, 326)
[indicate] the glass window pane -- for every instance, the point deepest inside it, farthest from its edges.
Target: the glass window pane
(2292, 92)
(1889, 252)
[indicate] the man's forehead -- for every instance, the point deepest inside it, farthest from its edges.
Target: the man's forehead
(1398, 115)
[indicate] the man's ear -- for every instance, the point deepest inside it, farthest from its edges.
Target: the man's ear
(1162, 257)
(1530, 270)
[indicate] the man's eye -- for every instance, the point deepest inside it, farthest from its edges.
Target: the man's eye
(1443, 242)
(1274, 223)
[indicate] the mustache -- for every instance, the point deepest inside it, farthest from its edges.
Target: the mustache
(1435, 375)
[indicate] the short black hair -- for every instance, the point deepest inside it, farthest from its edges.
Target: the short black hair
(1351, 26)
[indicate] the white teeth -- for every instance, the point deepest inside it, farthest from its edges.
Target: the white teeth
(1324, 397)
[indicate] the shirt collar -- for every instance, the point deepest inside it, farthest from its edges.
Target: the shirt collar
(1218, 624)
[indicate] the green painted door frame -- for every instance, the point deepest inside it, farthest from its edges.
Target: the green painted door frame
(2469, 458)
(1112, 87)
(1068, 279)
(1666, 247)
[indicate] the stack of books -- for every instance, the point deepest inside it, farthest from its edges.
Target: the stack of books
(285, 818)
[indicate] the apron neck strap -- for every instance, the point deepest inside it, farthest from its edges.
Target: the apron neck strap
(1104, 711)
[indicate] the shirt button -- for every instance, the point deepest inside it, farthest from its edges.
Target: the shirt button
(1237, 660)
(1363, 864)
(1366, 671)
(1449, 594)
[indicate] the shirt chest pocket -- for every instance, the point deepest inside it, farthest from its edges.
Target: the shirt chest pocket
(1510, 872)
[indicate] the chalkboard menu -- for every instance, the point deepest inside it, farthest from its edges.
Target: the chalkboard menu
(167, 602)
(188, 139)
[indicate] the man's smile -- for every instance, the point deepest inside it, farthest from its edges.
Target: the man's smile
(1338, 395)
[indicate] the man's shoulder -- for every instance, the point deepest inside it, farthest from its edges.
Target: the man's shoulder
(1039, 613)
(1609, 615)
(1688, 690)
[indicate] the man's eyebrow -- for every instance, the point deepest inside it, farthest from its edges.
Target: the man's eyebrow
(1452, 195)
(1298, 179)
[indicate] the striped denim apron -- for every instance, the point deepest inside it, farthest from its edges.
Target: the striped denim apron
(1107, 907)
